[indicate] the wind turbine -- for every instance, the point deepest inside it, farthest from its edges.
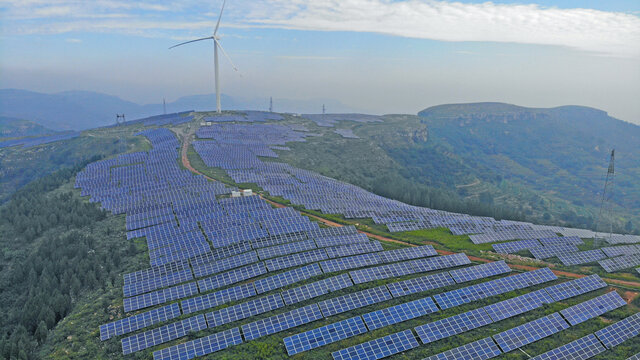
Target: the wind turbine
(216, 45)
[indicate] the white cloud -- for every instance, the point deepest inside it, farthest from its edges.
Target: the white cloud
(598, 32)
(608, 33)
(73, 41)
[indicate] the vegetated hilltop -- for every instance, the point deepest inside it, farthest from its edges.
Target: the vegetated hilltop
(542, 165)
(16, 128)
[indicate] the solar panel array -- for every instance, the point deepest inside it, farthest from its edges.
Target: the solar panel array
(324, 335)
(592, 308)
(583, 348)
(477, 350)
(582, 257)
(621, 331)
(530, 332)
(227, 241)
(379, 348)
(620, 262)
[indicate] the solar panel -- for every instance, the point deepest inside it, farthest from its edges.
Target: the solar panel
(478, 350)
(619, 332)
(613, 251)
(217, 298)
(244, 310)
(545, 252)
(518, 305)
(354, 249)
(399, 313)
(378, 348)
(280, 322)
(324, 335)
(225, 264)
(351, 262)
(581, 349)
(634, 357)
(297, 259)
(494, 287)
(515, 246)
(287, 278)
(232, 277)
(408, 253)
(139, 321)
(591, 308)
(315, 289)
(354, 300)
(561, 240)
(285, 249)
(200, 347)
(479, 271)
(163, 334)
(452, 325)
(421, 284)
(582, 257)
(530, 332)
(160, 296)
(620, 263)
(575, 287)
(408, 267)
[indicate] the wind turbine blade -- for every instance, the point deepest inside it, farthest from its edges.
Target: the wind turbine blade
(186, 42)
(219, 17)
(225, 54)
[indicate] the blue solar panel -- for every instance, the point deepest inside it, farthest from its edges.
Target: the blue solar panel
(163, 334)
(581, 349)
(592, 308)
(354, 249)
(530, 332)
(399, 313)
(493, 287)
(297, 259)
(217, 298)
(421, 284)
(324, 335)
(479, 271)
(478, 350)
(315, 289)
(200, 347)
(225, 264)
(452, 325)
(619, 332)
(160, 296)
(280, 322)
(408, 267)
(287, 278)
(139, 321)
(244, 310)
(232, 277)
(379, 348)
(575, 287)
(582, 257)
(515, 246)
(408, 253)
(354, 300)
(518, 305)
(350, 262)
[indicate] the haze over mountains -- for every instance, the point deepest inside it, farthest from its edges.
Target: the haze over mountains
(80, 110)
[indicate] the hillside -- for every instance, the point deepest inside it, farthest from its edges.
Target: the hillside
(149, 253)
(541, 165)
(15, 128)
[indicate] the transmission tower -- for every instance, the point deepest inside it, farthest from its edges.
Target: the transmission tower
(271, 104)
(118, 117)
(606, 205)
(164, 106)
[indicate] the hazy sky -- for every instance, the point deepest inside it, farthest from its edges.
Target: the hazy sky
(381, 56)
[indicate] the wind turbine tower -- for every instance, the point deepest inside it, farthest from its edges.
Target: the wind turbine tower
(216, 46)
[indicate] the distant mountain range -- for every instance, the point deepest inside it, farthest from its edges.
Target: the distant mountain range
(79, 110)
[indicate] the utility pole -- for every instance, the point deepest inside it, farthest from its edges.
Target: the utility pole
(323, 109)
(271, 104)
(164, 106)
(606, 205)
